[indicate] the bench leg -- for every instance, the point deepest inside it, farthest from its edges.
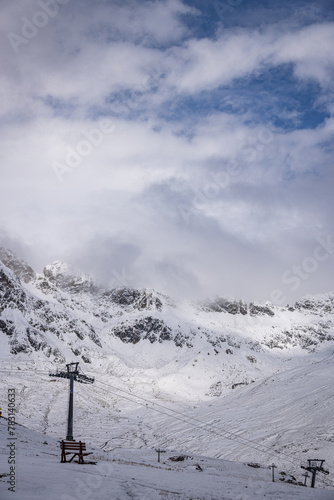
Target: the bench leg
(75, 454)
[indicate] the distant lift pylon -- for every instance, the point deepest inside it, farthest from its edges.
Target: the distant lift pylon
(315, 465)
(71, 373)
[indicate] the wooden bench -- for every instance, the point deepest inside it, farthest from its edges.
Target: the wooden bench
(73, 448)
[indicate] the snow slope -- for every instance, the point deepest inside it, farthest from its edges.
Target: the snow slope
(135, 474)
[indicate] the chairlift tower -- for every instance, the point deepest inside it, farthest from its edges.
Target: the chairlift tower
(71, 373)
(315, 465)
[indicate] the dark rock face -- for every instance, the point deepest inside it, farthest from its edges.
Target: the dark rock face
(138, 299)
(226, 305)
(152, 329)
(20, 268)
(215, 389)
(179, 458)
(237, 307)
(12, 295)
(7, 327)
(86, 359)
(258, 310)
(316, 306)
(304, 336)
(148, 328)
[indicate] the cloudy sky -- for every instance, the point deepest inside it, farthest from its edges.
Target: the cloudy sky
(185, 145)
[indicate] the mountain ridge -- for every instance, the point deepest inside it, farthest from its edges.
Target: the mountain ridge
(62, 298)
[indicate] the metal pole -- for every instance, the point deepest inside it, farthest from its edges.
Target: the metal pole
(159, 450)
(73, 374)
(314, 472)
(273, 472)
(69, 436)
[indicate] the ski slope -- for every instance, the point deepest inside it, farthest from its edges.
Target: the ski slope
(124, 474)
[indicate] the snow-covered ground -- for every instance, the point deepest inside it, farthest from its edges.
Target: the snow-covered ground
(124, 474)
(285, 418)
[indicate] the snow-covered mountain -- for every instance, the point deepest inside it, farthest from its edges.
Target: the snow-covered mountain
(62, 313)
(221, 378)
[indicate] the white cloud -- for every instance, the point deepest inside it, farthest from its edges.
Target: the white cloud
(208, 64)
(123, 199)
(310, 50)
(151, 21)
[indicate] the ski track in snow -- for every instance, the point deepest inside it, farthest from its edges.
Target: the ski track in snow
(124, 474)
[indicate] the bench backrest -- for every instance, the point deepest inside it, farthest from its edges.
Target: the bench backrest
(72, 445)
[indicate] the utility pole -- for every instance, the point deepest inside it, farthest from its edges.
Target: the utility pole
(159, 451)
(315, 465)
(71, 373)
(306, 475)
(69, 436)
(273, 467)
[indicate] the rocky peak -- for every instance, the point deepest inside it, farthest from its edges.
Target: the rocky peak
(66, 278)
(57, 268)
(19, 267)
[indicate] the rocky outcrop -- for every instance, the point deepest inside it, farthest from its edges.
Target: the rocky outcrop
(304, 336)
(20, 268)
(225, 305)
(215, 390)
(237, 307)
(316, 305)
(67, 279)
(149, 328)
(12, 295)
(260, 310)
(138, 299)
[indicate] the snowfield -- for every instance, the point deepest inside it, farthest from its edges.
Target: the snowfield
(124, 474)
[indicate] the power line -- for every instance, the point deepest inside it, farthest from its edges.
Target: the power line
(206, 426)
(191, 420)
(211, 428)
